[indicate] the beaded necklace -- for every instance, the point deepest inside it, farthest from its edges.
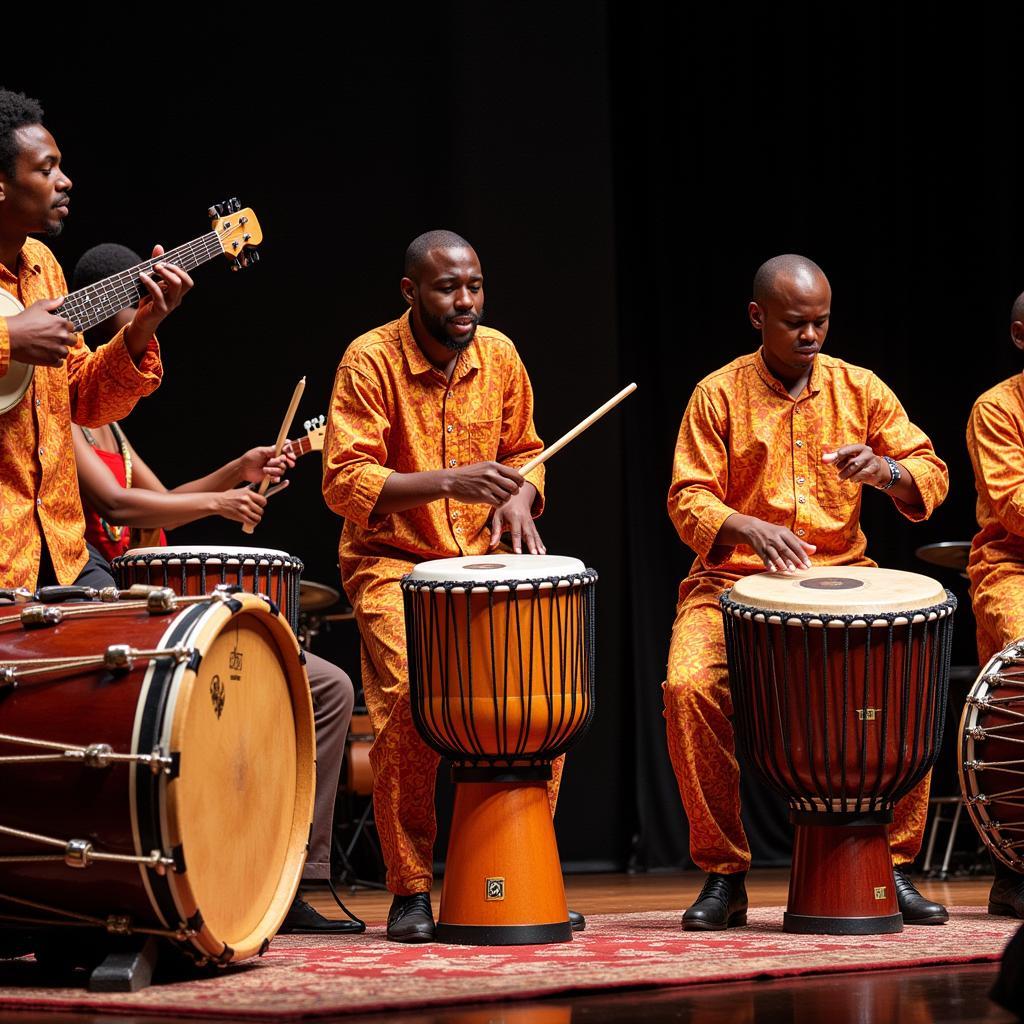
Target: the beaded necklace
(114, 533)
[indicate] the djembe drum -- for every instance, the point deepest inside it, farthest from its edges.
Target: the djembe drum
(992, 754)
(195, 570)
(839, 679)
(157, 757)
(501, 677)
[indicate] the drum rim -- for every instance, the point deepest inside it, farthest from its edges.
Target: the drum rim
(970, 789)
(205, 556)
(587, 577)
(198, 626)
(897, 617)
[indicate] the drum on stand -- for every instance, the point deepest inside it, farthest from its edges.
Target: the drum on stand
(839, 679)
(501, 677)
(193, 570)
(158, 765)
(992, 754)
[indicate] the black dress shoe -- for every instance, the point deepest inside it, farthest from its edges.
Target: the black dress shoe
(411, 919)
(1007, 896)
(577, 921)
(913, 906)
(304, 919)
(722, 903)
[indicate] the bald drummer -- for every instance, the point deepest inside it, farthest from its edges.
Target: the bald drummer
(773, 453)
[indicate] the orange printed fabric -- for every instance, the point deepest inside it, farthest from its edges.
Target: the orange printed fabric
(745, 445)
(393, 411)
(38, 479)
(995, 441)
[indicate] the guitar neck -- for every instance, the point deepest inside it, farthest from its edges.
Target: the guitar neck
(302, 447)
(97, 302)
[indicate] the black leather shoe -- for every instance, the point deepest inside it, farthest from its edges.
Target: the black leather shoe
(722, 903)
(913, 906)
(411, 919)
(304, 919)
(577, 921)
(1007, 896)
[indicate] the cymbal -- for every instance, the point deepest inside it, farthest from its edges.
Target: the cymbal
(315, 596)
(949, 554)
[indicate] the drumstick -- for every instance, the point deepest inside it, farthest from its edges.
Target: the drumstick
(577, 430)
(282, 436)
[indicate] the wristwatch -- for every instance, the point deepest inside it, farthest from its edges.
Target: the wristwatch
(894, 474)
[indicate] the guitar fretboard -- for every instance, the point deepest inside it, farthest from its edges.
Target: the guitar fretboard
(302, 447)
(95, 303)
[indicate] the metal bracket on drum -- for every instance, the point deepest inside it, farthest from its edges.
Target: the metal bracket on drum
(117, 657)
(92, 755)
(79, 853)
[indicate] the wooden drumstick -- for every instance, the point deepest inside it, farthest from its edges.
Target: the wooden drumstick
(282, 436)
(577, 430)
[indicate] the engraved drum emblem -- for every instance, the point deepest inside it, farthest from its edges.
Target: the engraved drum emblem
(879, 892)
(495, 889)
(217, 695)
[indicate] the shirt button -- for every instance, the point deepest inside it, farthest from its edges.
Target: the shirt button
(39, 502)
(799, 444)
(41, 452)
(455, 513)
(800, 532)
(450, 428)
(38, 403)
(799, 479)
(801, 499)
(451, 462)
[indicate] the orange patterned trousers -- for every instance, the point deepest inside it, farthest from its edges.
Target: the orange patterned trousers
(702, 748)
(999, 609)
(404, 767)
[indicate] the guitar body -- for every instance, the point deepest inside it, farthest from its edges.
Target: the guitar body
(15, 382)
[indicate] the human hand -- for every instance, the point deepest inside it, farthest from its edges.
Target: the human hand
(779, 548)
(257, 463)
(859, 464)
(514, 517)
(483, 483)
(162, 294)
(38, 337)
(241, 504)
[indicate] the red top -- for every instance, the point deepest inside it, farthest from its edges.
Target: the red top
(94, 532)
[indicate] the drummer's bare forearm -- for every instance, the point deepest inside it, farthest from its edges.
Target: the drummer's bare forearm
(403, 491)
(906, 490)
(478, 483)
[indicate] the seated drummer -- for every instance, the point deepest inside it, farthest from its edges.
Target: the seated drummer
(111, 508)
(995, 440)
(430, 418)
(43, 537)
(773, 452)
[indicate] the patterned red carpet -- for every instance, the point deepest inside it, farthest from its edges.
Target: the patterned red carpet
(303, 976)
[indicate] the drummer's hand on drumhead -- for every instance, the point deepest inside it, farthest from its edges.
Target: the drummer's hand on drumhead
(242, 505)
(162, 292)
(859, 464)
(38, 337)
(257, 463)
(778, 546)
(482, 483)
(515, 518)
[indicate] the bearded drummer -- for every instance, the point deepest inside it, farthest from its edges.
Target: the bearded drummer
(42, 536)
(995, 440)
(773, 453)
(430, 418)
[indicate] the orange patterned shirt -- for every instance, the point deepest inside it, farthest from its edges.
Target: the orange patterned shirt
(745, 445)
(38, 479)
(995, 441)
(393, 410)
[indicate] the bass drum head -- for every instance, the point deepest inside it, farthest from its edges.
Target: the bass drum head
(241, 807)
(496, 567)
(839, 590)
(14, 383)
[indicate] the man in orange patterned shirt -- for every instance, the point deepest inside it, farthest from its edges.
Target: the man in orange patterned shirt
(772, 454)
(42, 530)
(995, 440)
(430, 418)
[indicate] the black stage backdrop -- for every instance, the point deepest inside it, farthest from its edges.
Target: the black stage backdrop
(622, 170)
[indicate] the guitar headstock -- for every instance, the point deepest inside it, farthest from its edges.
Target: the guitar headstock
(315, 430)
(238, 232)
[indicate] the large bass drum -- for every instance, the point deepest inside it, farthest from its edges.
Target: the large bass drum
(992, 754)
(157, 758)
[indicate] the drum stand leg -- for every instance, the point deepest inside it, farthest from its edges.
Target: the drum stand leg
(126, 970)
(841, 882)
(503, 879)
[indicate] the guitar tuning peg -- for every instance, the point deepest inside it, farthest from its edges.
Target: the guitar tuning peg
(236, 264)
(254, 256)
(213, 212)
(234, 205)
(306, 424)
(322, 419)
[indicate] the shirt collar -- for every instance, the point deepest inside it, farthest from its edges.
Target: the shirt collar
(23, 266)
(812, 387)
(419, 364)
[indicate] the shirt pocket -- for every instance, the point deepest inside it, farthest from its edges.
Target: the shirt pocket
(484, 438)
(833, 494)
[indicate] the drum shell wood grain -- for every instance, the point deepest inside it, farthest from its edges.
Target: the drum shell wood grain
(840, 719)
(502, 674)
(187, 575)
(358, 773)
(68, 800)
